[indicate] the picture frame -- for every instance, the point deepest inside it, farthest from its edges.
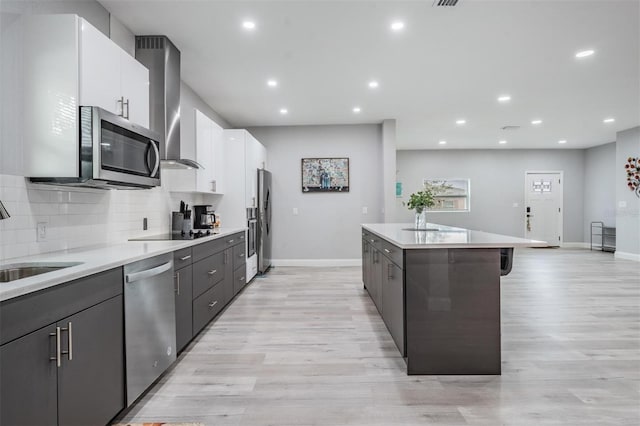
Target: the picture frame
(325, 174)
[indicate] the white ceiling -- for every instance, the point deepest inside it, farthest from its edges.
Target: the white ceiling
(447, 63)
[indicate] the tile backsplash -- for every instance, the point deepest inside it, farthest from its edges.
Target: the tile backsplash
(79, 217)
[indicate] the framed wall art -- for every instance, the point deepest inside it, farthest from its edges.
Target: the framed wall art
(325, 175)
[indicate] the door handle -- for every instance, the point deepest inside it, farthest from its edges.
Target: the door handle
(69, 351)
(157, 152)
(178, 283)
(58, 357)
(137, 276)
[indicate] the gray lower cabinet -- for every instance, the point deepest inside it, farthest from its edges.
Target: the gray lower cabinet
(383, 277)
(81, 380)
(184, 311)
(393, 302)
(90, 381)
(239, 278)
(207, 306)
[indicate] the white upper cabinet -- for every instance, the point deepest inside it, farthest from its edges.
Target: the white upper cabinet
(68, 63)
(112, 79)
(209, 152)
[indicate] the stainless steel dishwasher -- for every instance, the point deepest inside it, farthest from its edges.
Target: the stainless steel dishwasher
(150, 322)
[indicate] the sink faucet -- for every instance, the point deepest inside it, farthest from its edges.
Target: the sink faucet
(4, 214)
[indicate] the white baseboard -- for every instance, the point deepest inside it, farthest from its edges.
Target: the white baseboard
(627, 256)
(325, 263)
(576, 245)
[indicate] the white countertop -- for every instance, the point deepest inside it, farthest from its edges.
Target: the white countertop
(94, 260)
(442, 236)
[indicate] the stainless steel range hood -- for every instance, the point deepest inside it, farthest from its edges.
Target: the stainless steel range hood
(162, 58)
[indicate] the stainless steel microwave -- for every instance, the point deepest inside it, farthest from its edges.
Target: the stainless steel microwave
(114, 153)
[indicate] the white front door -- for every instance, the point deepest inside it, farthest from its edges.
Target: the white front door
(543, 207)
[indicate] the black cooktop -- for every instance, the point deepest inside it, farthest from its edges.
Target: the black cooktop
(178, 236)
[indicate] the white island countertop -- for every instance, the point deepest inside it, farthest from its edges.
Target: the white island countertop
(93, 260)
(441, 236)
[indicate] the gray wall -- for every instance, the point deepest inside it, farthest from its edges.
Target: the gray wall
(328, 224)
(599, 184)
(497, 183)
(628, 204)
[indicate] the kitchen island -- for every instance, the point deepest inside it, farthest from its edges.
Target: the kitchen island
(438, 292)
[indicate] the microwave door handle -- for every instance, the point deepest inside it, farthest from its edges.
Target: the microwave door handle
(155, 168)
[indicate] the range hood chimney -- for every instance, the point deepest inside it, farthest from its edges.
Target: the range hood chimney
(162, 58)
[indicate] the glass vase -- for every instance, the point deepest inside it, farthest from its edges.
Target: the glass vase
(421, 220)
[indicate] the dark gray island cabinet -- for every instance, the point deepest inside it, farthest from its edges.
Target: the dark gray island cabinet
(438, 292)
(62, 354)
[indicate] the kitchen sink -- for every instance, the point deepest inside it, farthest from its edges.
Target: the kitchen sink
(23, 270)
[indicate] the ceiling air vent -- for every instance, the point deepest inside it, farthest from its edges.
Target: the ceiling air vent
(510, 127)
(445, 3)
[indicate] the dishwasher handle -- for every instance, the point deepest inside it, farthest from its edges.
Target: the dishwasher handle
(137, 276)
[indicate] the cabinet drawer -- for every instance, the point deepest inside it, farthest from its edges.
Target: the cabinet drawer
(234, 239)
(239, 256)
(394, 253)
(182, 258)
(207, 306)
(208, 272)
(207, 249)
(22, 315)
(239, 279)
(372, 239)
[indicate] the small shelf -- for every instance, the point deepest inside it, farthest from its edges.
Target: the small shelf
(603, 237)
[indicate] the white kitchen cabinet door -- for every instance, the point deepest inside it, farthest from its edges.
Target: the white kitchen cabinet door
(219, 159)
(134, 83)
(99, 70)
(204, 152)
(251, 170)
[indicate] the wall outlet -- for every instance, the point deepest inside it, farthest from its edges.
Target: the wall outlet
(41, 231)
(295, 211)
(622, 204)
(365, 210)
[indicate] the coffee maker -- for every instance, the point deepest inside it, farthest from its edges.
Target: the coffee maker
(204, 218)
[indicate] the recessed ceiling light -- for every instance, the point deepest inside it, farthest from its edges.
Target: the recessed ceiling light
(504, 98)
(502, 142)
(272, 83)
(562, 141)
(585, 53)
(461, 121)
(608, 120)
(356, 109)
(534, 122)
(397, 25)
(284, 111)
(249, 25)
(442, 142)
(373, 84)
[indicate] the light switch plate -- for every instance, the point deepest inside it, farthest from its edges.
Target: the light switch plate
(622, 204)
(295, 211)
(365, 210)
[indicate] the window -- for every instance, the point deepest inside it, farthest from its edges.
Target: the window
(453, 195)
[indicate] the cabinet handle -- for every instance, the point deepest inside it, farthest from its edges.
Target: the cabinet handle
(241, 279)
(69, 351)
(387, 251)
(373, 241)
(178, 283)
(212, 304)
(58, 357)
(127, 104)
(185, 258)
(389, 272)
(226, 260)
(213, 271)
(241, 255)
(121, 102)
(230, 241)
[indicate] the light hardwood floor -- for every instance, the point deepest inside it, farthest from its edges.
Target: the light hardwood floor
(306, 346)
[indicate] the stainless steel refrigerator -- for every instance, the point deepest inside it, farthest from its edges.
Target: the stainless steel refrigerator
(264, 221)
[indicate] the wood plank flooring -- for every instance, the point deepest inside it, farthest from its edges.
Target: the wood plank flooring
(306, 346)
